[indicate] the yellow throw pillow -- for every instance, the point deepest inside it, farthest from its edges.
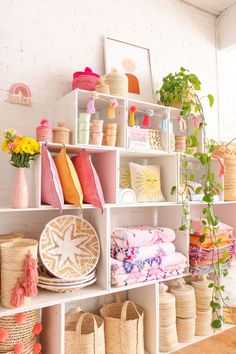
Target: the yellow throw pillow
(146, 183)
(125, 181)
(72, 190)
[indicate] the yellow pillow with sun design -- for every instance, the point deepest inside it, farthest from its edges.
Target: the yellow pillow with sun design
(146, 183)
(125, 181)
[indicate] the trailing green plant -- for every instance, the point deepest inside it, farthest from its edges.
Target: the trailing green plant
(183, 87)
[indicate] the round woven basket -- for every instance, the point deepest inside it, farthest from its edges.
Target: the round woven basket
(203, 323)
(84, 334)
(167, 310)
(230, 315)
(168, 338)
(28, 348)
(203, 294)
(123, 328)
(18, 332)
(118, 83)
(185, 300)
(229, 156)
(185, 329)
(12, 267)
(61, 134)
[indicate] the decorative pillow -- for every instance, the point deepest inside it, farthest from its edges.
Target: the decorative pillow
(146, 183)
(125, 181)
(51, 191)
(69, 180)
(89, 179)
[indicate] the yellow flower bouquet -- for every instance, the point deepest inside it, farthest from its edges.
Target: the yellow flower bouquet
(22, 149)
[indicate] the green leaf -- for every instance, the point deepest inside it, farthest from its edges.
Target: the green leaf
(202, 239)
(173, 190)
(211, 285)
(211, 100)
(198, 190)
(225, 272)
(216, 324)
(184, 163)
(203, 159)
(183, 228)
(191, 178)
(222, 288)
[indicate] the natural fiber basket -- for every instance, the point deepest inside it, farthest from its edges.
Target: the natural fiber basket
(185, 300)
(168, 338)
(185, 329)
(230, 314)
(229, 156)
(203, 323)
(28, 348)
(123, 328)
(167, 310)
(84, 334)
(203, 294)
(12, 268)
(18, 332)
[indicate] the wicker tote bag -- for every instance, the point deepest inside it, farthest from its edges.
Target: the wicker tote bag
(123, 328)
(86, 335)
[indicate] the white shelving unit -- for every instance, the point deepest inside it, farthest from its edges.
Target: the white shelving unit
(107, 162)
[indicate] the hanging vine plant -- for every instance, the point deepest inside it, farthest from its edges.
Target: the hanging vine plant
(181, 90)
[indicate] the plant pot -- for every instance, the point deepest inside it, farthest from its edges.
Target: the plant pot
(19, 198)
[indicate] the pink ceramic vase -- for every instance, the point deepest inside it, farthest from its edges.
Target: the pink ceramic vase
(19, 197)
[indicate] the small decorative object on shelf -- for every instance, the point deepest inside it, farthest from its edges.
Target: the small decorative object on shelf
(180, 143)
(85, 80)
(61, 134)
(102, 86)
(113, 104)
(118, 83)
(20, 94)
(172, 138)
(19, 275)
(84, 333)
(144, 139)
(132, 110)
(22, 149)
(96, 132)
(83, 127)
(127, 195)
(111, 132)
(44, 132)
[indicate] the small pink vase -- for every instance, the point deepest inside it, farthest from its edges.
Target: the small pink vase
(19, 198)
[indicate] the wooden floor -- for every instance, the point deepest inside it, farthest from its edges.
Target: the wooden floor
(222, 343)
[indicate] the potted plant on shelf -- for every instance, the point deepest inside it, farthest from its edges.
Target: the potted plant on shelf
(182, 88)
(23, 150)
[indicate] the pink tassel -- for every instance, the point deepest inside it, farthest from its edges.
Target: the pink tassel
(146, 121)
(90, 105)
(4, 335)
(17, 295)
(30, 276)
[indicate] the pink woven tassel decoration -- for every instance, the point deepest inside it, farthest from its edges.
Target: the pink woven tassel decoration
(17, 295)
(30, 276)
(90, 105)
(146, 121)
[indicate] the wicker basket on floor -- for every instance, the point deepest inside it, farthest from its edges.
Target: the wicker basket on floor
(18, 332)
(230, 315)
(84, 334)
(185, 329)
(123, 328)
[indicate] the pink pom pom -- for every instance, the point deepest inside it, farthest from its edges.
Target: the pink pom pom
(37, 348)
(4, 335)
(18, 348)
(37, 329)
(17, 295)
(30, 276)
(21, 318)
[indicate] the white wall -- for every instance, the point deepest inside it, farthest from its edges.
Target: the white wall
(43, 42)
(226, 30)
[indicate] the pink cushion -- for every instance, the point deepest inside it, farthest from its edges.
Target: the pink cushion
(89, 179)
(51, 191)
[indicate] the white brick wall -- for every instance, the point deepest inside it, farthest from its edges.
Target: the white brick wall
(43, 42)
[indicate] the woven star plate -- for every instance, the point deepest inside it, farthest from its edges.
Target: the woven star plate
(69, 247)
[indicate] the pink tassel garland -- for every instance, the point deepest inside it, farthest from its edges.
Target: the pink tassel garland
(18, 348)
(4, 335)
(30, 276)
(21, 317)
(146, 121)
(17, 295)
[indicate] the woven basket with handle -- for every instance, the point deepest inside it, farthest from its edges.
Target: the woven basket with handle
(84, 333)
(228, 153)
(123, 328)
(19, 332)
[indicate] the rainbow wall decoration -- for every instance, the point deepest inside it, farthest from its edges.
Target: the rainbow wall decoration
(20, 94)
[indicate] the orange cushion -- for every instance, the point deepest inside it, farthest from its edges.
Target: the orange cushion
(72, 190)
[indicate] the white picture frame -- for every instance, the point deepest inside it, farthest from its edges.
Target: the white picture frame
(135, 62)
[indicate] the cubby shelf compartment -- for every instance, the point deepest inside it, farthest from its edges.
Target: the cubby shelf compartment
(68, 108)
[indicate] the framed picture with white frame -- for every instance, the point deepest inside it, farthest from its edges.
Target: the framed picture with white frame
(135, 62)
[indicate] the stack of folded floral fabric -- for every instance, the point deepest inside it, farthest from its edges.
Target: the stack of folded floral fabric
(204, 255)
(144, 253)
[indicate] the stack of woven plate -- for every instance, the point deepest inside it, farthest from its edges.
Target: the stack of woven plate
(69, 250)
